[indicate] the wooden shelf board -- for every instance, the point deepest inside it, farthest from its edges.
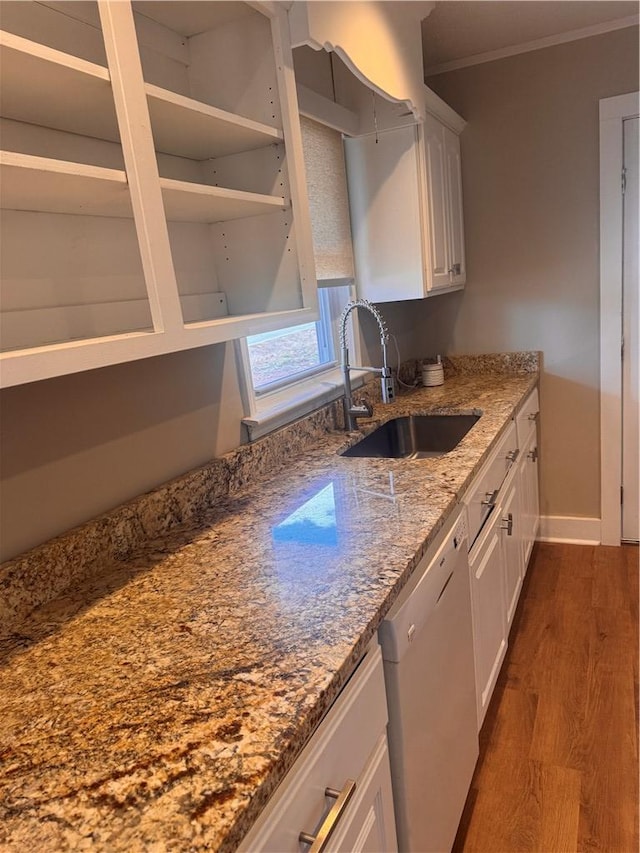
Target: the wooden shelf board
(43, 362)
(43, 86)
(50, 88)
(50, 325)
(186, 202)
(189, 128)
(56, 186)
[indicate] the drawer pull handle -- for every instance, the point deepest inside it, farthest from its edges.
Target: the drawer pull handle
(533, 416)
(512, 455)
(533, 454)
(507, 524)
(490, 498)
(319, 842)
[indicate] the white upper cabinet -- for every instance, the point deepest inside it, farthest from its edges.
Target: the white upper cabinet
(404, 179)
(153, 195)
(405, 190)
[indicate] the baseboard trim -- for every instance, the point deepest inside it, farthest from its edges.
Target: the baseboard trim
(569, 529)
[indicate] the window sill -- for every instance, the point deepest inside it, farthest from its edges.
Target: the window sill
(282, 407)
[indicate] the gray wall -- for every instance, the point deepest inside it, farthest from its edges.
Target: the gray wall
(530, 163)
(76, 446)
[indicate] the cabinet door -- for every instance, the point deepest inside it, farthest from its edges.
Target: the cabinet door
(486, 562)
(385, 204)
(457, 267)
(437, 229)
(370, 827)
(349, 746)
(512, 545)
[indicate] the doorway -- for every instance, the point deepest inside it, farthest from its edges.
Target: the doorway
(630, 357)
(619, 318)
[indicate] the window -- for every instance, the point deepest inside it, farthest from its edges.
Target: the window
(284, 356)
(289, 372)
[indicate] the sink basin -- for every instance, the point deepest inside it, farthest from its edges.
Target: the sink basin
(414, 437)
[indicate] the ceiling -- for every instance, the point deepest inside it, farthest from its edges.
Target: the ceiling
(463, 32)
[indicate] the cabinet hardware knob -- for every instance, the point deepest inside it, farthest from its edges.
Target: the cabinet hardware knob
(318, 842)
(454, 270)
(507, 524)
(490, 498)
(512, 455)
(533, 416)
(533, 454)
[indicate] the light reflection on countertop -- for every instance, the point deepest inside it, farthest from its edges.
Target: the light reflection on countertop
(313, 522)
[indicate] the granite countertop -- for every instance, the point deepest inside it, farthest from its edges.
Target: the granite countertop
(159, 702)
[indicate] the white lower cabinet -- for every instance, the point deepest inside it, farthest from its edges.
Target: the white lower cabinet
(486, 564)
(340, 786)
(503, 497)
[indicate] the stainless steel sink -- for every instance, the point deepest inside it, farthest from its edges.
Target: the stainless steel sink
(414, 437)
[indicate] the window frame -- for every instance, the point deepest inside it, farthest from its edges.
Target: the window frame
(302, 395)
(269, 411)
(327, 349)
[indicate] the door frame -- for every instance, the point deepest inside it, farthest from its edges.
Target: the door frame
(613, 111)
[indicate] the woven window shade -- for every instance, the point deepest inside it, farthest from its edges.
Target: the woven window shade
(329, 206)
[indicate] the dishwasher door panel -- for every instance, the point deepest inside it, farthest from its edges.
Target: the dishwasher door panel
(433, 738)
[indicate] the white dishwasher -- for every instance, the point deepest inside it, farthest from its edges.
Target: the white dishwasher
(427, 647)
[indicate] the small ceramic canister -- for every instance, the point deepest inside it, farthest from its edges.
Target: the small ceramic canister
(432, 374)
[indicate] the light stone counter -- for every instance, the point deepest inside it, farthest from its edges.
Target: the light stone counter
(158, 702)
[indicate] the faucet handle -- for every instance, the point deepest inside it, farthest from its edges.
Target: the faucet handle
(364, 410)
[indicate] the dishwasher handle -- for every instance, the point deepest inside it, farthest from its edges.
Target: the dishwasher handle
(446, 584)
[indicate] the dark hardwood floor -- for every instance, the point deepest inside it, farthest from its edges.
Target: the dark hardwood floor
(558, 767)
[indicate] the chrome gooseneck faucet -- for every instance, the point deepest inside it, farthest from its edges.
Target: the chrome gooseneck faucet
(351, 411)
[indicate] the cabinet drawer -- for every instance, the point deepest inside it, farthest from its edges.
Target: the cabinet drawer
(527, 417)
(339, 750)
(481, 498)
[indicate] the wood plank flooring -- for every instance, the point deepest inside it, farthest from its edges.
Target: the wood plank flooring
(558, 766)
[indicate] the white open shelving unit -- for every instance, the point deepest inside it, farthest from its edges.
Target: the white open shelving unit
(141, 214)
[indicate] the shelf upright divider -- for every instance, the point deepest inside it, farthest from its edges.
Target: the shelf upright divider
(295, 156)
(121, 45)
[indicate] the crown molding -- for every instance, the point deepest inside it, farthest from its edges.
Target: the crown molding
(537, 44)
